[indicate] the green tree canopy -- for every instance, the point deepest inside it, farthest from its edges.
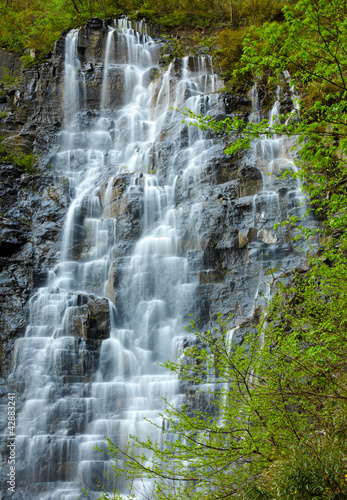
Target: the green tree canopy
(37, 25)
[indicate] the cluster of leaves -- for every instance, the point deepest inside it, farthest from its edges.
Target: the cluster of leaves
(25, 161)
(36, 25)
(281, 404)
(229, 41)
(7, 79)
(192, 14)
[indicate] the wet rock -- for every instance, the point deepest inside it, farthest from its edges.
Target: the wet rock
(244, 203)
(28, 245)
(10, 63)
(116, 203)
(267, 236)
(13, 235)
(243, 240)
(236, 102)
(90, 41)
(90, 319)
(93, 475)
(99, 318)
(95, 23)
(251, 181)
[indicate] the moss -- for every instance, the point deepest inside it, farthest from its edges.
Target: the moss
(26, 161)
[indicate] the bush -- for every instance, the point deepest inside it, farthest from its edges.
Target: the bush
(26, 161)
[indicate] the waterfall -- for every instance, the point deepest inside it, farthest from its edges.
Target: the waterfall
(109, 56)
(136, 260)
(72, 97)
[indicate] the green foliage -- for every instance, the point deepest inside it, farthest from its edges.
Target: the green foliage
(174, 48)
(184, 13)
(229, 41)
(7, 79)
(26, 161)
(18, 20)
(28, 60)
(258, 12)
(38, 24)
(229, 51)
(280, 406)
(305, 475)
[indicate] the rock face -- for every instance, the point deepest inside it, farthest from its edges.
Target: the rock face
(32, 211)
(133, 222)
(10, 64)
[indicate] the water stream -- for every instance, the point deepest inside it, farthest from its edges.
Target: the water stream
(67, 414)
(118, 301)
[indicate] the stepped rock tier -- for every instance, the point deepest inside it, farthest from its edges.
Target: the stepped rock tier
(137, 222)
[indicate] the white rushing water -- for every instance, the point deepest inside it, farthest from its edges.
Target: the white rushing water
(66, 413)
(117, 302)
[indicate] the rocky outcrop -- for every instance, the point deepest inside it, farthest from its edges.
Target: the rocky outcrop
(90, 318)
(10, 64)
(34, 108)
(32, 211)
(180, 237)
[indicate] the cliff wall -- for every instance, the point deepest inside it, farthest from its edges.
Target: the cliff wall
(132, 222)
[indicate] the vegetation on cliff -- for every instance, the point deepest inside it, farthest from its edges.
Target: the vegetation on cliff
(34, 26)
(25, 161)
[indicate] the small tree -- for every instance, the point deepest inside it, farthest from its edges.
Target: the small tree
(278, 404)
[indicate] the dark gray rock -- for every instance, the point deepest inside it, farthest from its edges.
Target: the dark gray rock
(29, 245)
(10, 64)
(236, 103)
(95, 23)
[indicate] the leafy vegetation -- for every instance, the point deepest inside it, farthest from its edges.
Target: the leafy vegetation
(34, 26)
(7, 79)
(26, 161)
(281, 406)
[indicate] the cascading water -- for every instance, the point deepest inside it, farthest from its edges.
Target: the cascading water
(65, 417)
(129, 276)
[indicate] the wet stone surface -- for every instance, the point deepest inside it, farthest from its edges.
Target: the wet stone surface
(134, 222)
